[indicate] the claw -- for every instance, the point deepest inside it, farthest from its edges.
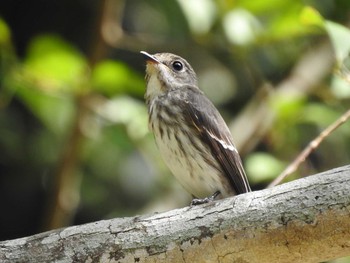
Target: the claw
(200, 201)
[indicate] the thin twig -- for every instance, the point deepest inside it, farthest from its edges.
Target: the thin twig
(311, 147)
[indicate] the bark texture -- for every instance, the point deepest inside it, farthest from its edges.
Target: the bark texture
(307, 220)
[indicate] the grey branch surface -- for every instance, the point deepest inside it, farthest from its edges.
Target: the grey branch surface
(307, 220)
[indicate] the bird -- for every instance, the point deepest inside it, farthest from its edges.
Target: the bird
(190, 133)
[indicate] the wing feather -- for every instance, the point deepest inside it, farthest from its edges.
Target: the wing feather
(214, 132)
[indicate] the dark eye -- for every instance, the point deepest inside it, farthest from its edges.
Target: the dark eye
(177, 65)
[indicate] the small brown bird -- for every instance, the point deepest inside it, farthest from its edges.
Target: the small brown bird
(190, 133)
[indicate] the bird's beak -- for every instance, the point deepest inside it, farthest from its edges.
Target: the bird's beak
(149, 57)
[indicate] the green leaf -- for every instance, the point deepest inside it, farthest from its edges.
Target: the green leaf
(319, 114)
(263, 167)
(110, 77)
(310, 16)
(128, 111)
(53, 64)
(113, 77)
(5, 34)
(288, 107)
(340, 37)
(55, 112)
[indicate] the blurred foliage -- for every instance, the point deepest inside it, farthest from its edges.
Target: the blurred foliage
(111, 77)
(50, 87)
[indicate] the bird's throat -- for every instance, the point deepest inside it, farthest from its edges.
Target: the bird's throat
(155, 87)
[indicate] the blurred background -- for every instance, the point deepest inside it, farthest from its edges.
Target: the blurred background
(74, 141)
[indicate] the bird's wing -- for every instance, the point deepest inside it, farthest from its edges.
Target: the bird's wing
(205, 118)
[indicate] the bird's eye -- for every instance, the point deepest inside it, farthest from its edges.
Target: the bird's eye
(177, 65)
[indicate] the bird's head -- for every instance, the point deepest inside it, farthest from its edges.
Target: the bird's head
(167, 71)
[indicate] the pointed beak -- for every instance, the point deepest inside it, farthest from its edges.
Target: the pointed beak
(149, 57)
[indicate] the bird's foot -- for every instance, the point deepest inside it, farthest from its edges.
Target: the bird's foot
(200, 201)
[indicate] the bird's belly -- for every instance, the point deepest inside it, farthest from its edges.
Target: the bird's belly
(198, 175)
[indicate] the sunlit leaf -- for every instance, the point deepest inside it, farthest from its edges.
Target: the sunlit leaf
(128, 111)
(340, 86)
(310, 16)
(340, 37)
(320, 114)
(113, 77)
(265, 7)
(199, 14)
(263, 167)
(288, 24)
(5, 33)
(8, 63)
(55, 112)
(110, 77)
(278, 19)
(53, 64)
(240, 26)
(288, 106)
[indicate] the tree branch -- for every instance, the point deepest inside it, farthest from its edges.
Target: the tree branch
(307, 220)
(292, 167)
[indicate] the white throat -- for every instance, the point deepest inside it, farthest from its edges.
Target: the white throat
(154, 87)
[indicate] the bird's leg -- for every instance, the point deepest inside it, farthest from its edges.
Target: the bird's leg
(199, 201)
